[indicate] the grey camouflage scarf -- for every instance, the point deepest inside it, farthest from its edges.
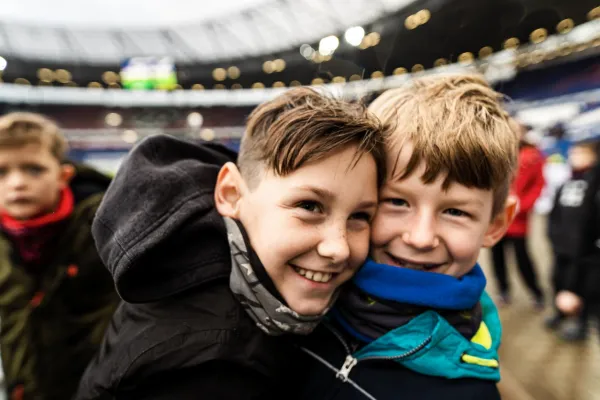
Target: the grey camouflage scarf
(270, 315)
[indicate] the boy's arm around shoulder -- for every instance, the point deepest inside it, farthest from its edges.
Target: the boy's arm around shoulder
(157, 224)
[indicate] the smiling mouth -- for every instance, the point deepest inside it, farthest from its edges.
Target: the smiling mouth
(400, 262)
(314, 276)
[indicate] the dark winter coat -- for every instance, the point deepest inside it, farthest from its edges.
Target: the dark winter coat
(53, 322)
(574, 230)
(180, 334)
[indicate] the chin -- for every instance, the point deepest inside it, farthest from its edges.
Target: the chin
(308, 307)
(22, 214)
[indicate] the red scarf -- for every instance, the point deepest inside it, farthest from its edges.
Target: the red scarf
(31, 237)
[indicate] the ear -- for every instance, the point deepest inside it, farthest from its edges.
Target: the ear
(67, 172)
(501, 222)
(229, 191)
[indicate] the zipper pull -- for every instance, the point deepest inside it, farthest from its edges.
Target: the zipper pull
(349, 363)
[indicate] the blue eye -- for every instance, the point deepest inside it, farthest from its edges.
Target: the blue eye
(456, 212)
(34, 170)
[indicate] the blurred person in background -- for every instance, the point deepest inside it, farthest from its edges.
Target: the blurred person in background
(555, 146)
(574, 232)
(56, 297)
(527, 186)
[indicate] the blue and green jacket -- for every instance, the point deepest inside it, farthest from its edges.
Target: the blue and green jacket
(430, 345)
(427, 358)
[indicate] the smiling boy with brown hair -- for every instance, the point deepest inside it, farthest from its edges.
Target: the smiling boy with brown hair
(221, 264)
(56, 297)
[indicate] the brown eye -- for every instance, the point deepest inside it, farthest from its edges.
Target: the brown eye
(363, 216)
(310, 206)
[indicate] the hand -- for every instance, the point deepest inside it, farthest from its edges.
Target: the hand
(568, 302)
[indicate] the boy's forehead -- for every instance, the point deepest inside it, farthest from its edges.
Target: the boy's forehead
(398, 163)
(38, 151)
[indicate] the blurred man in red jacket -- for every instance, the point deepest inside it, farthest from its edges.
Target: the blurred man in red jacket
(527, 186)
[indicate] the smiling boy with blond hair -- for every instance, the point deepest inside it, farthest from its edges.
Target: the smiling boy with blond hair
(416, 323)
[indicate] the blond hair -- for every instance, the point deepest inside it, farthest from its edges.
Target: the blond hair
(458, 127)
(302, 125)
(19, 129)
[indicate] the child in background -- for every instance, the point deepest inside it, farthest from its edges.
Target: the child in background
(574, 233)
(56, 297)
(527, 186)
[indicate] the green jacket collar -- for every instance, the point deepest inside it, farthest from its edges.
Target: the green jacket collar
(431, 346)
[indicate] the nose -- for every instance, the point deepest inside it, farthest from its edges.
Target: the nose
(16, 180)
(420, 233)
(334, 245)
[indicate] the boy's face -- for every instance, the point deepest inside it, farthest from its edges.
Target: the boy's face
(31, 180)
(309, 228)
(424, 227)
(582, 157)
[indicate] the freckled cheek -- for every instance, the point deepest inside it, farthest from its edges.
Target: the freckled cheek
(286, 243)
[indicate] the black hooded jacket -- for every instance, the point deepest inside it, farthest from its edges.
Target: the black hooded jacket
(180, 334)
(574, 231)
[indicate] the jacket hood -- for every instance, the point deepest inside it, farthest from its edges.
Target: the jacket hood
(157, 229)
(431, 346)
(87, 182)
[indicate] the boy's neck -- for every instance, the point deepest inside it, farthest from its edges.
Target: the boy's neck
(33, 238)
(61, 210)
(578, 172)
(421, 288)
(386, 297)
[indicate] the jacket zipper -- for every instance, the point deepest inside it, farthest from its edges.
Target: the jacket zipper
(403, 355)
(350, 361)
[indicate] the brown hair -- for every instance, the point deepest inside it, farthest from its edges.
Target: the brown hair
(457, 125)
(22, 128)
(302, 125)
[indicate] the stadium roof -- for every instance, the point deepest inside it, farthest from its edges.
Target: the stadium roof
(108, 31)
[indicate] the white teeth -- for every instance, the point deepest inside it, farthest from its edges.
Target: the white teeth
(314, 276)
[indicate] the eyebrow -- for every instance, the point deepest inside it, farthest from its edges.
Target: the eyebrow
(319, 191)
(466, 202)
(329, 195)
